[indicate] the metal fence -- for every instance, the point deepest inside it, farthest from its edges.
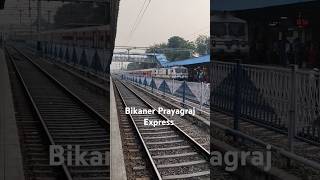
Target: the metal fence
(197, 92)
(283, 98)
(90, 59)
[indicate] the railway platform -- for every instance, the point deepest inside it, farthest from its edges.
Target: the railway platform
(118, 170)
(11, 166)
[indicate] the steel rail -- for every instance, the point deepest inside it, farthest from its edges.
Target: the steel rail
(279, 150)
(265, 125)
(82, 77)
(95, 75)
(275, 149)
(57, 63)
(104, 122)
(243, 118)
(202, 150)
(154, 167)
(100, 119)
(35, 108)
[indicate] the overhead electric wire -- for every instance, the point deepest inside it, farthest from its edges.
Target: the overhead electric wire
(145, 10)
(139, 19)
(142, 7)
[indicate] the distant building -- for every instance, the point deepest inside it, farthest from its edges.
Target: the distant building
(272, 23)
(294, 20)
(195, 67)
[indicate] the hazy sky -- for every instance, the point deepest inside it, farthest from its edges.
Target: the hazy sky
(163, 19)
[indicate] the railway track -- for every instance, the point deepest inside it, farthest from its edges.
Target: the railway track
(34, 142)
(269, 135)
(224, 118)
(136, 164)
(171, 153)
(93, 93)
(202, 113)
(187, 123)
(259, 133)
(63, 118)
(262, 133)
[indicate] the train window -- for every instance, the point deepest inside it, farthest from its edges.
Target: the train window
(236, 29)
(166, 71)
(219, 29)
(181, 70)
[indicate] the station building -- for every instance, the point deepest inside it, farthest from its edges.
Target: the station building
(289, 22)
(195, 67)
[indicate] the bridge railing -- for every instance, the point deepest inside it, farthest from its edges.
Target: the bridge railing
(281, 98)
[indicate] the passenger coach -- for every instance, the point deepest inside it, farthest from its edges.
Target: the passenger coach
(177, 72)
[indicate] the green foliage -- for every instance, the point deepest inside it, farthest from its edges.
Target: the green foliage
(178, 48)
(202, 45)
(177, 42)
(157, 48)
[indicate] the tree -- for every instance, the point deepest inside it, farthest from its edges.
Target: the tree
(176, 42)
(157, 48)
(179, 42)
(175, 49)
(202, 45)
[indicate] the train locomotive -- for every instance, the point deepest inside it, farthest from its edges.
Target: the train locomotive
(229, 36)
(176, 72)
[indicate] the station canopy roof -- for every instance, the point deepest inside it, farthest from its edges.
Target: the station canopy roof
(232, 5)
(307, 9)
(197, 60)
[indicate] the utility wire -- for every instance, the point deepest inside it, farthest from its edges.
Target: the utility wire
(142, 7)
(138, 21)
(145, 10)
